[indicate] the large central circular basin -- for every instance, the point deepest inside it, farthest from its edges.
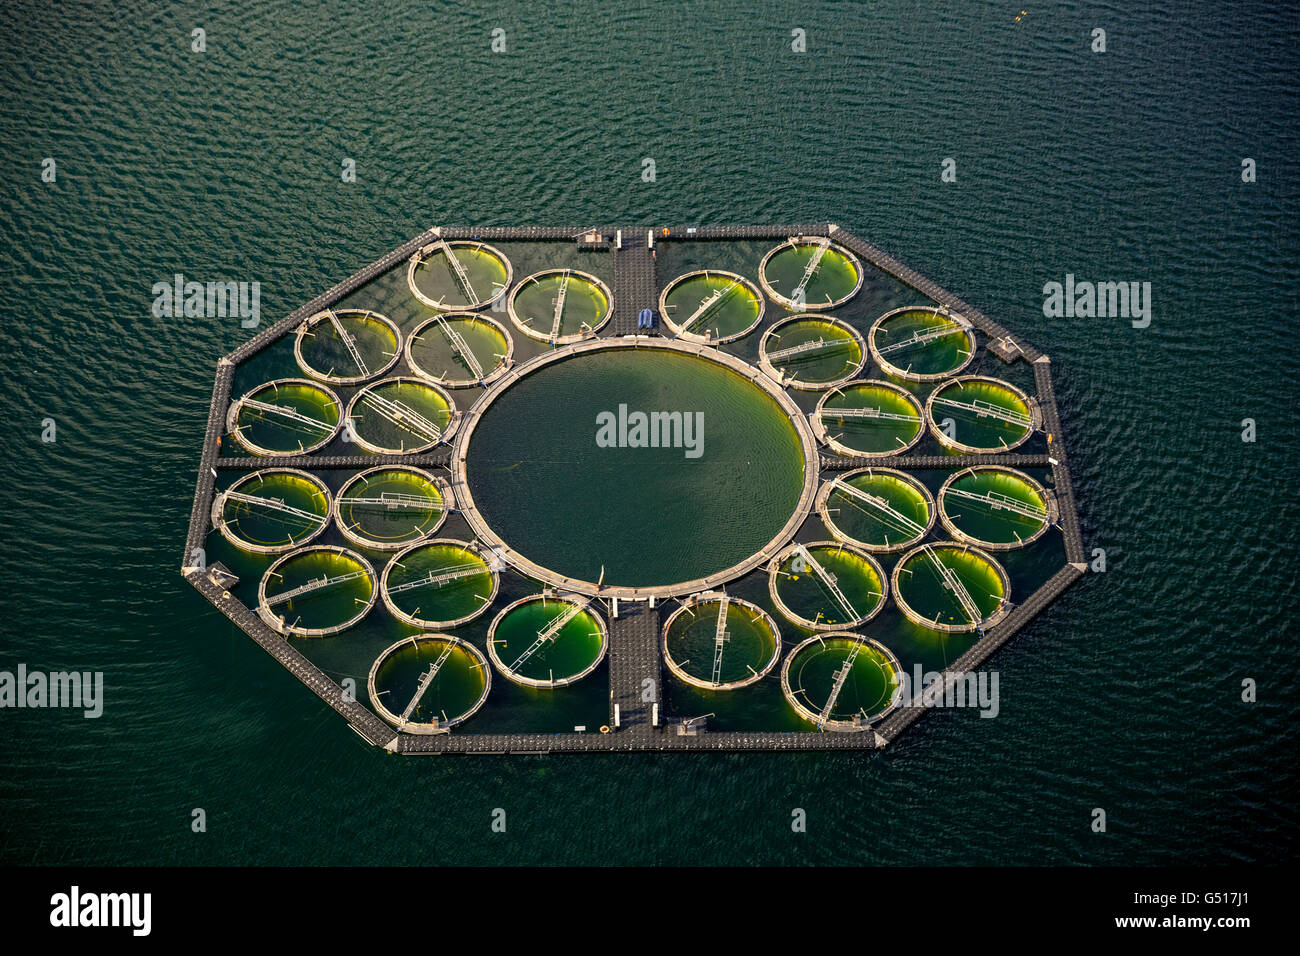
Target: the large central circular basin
(625, 470)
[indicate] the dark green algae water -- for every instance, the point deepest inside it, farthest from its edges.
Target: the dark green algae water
(1124, 695)
(571, 651)
(648, 516)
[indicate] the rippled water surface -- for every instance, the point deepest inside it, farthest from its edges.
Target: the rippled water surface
(225, 165)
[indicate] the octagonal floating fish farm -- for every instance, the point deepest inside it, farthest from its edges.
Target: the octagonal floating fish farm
(674, 488)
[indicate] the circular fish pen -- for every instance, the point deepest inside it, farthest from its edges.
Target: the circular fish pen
(878, 509)
(347, 346)
(547, 642)
(827, 585)
(316, 591)
(560, 306)
(951, 587)
(555, 464)
(869, 420)
(921, 344)
(812, 352)
(458, 275)
(438, 681)
(460, 349)
(987, 415)
(841, 681)
(711, 305)
(996, 508)
(810, 273)
(716, 642)
(401, 416)
(272, 511)
(290, 416)
(439, 583)
(388, 507)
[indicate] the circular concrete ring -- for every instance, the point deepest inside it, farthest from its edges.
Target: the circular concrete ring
(695, 337)
(711, 597)
(278, 623)
(487, 379)
(325, 316)
(889, 368)
(219, 503)
(484, 533)
(774, 568)
(778, 375)
(489, 560)
(444, 436)
(411, 727)
(418, 258)
(790, 304)
(448, 504)
(829, 486)
(540, 336)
